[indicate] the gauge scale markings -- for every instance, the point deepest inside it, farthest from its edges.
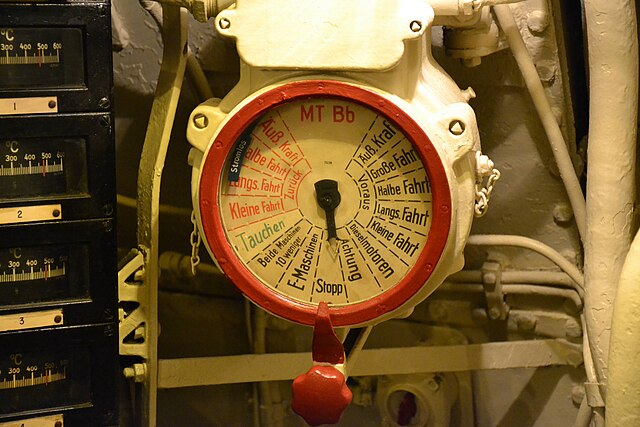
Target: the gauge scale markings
(311, 266)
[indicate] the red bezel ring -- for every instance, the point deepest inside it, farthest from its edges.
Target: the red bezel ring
(252, 287)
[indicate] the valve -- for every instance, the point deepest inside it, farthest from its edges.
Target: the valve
(321, 395)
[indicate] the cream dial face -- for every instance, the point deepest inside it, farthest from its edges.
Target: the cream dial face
(329, 201)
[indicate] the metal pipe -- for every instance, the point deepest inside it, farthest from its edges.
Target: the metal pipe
(531, 244)
(520, 289)
(613, 85)
(549, 278)
(463, 7)
(623, 393)
(543, 107)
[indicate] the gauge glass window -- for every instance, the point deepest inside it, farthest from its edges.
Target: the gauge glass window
(32, 381)
(41, 58)
(270, 201)
(42, 168)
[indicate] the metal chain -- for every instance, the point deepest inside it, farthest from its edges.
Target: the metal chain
(483, 194)
(195, 240)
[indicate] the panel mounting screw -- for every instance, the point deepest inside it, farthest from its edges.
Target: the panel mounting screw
(456, 127)
(224, 23)
(415, 26)
(104, 103)
(200, 121)
(52, 104)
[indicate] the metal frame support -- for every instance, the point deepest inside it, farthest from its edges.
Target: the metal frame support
(142, 321)
(497, 309)
(201, 371)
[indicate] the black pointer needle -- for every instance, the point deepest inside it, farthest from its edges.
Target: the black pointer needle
(328, 198)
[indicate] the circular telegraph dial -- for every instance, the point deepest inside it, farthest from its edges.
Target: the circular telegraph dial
(324, 191)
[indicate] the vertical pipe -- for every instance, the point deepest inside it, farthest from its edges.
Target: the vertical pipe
(623, 400)
(613, 89)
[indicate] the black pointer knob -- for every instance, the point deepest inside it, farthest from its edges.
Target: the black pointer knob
(328, 198)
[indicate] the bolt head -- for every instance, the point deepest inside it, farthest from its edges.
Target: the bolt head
(494, 313)
(562, 213)
(200, 121)
(224, 23)
(104, 103)
(457, 127)
(434, 384)
(526, 323)
(537, 22)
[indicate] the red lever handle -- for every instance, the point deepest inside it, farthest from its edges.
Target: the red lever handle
(321, 395)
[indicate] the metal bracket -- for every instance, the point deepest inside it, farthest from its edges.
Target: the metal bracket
(497, 309)
(142, 321)
(132, 320)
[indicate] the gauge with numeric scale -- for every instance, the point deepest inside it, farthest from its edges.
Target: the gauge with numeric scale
(324, 191)
(41, 57)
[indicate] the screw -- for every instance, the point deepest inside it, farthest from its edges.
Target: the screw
(57, 319)
(105, 120)
(107, 225)
(52, 104)
(415, 26)
(224, 23)
(200, 121)
(58, 424)
(104, 103)
(56, 213)
(456, 127)
(137, 371)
